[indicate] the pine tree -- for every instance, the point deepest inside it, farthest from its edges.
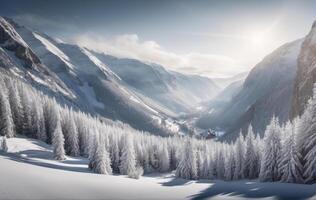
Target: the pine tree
(308, 137)
(251, 165)
(101, 162)
(58, 137)
(15, 104)
(291, 166)
(240, 156)
(230, 164)
(71, 134)
(115, 155)
(270, 163)
(187, 167)
(39, 121)
(220, 165)
(26, 110)
(204, 172)
(6, 121)
(128, 160)
(164, 159)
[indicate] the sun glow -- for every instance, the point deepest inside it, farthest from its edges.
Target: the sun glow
(257, 38)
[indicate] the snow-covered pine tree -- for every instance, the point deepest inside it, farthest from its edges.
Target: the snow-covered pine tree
(128, 157)
(251, 165)
(270, 163)
(115, 154)
(204, 172)
(101, 159)
(15, 103)
(291, 167)
(240, 156)
(164, 158)
(230, 164)
(309, 140)
(38, 121)
(220, 164)
(6, 121)
(71, 133)
(26, 103)
(199, 162)
(187, 167)
(57, 136)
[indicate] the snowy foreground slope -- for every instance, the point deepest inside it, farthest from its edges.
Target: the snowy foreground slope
(28, 172)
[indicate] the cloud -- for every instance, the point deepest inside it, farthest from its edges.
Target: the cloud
(130, 46)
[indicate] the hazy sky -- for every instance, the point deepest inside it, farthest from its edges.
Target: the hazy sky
(210, 38)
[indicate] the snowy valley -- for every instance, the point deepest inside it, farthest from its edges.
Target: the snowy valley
(80, 123)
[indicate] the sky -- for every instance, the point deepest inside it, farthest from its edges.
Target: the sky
(205, 37)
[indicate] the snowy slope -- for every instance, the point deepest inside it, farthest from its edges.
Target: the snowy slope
(79, 76)
(119, 89)
(172, 90)
(267, 91)
(28, 172)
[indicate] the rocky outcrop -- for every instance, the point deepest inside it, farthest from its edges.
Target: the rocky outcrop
(11, 40)
(306, 73)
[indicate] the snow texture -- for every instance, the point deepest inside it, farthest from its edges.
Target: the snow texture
(27, 171)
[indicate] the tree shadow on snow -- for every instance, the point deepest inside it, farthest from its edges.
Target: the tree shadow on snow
(248, 189)
(38, 153)
(176, 182)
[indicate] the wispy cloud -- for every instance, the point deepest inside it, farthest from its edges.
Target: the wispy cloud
(130, 46)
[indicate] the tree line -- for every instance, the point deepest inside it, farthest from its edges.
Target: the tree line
(286, 153)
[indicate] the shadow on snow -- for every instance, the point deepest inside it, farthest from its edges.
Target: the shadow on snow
(252, 189)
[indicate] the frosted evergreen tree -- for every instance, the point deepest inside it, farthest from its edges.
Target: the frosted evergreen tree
(187, 167)
(199, 161)
(26, 110)
(291, 167)
(128, 157)
(308, 137)
(57, 137)
(271, 157)
(71, 134)
(6, 121)
(38, 121)
(101, 159)
(164, 159)
(240, 156)
(115, 155)
(93, 142)
(15, 104)
(204, 172)
(230, 164)
(220, 164)
(251, 162)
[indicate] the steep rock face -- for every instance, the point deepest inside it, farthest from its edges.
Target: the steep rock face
(267, 91)
(11, 40)
(306, 73)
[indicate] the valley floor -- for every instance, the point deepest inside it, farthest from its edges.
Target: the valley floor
(28, 172)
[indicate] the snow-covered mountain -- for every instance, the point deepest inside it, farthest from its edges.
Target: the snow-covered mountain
(306, 73)
(224, 82)
(267, 91)
(170, 90)
(142, 95)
